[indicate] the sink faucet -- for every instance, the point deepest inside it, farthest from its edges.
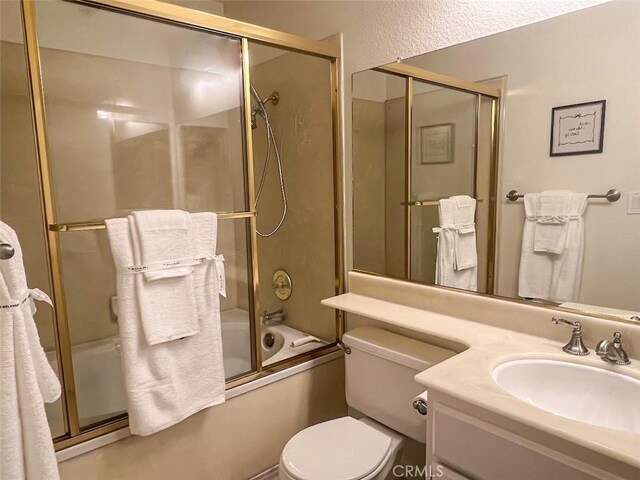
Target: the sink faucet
(278, 316)
(612, 351)
(575, 345)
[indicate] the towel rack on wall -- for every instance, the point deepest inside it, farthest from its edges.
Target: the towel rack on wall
(6, 251)
(85, 226)
(426, 203)
(612, 195)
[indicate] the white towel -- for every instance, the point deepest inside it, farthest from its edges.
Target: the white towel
(167, 304)
(27, 380)
(298, 342)
(456, 260)
(552, 276)
(170, 381)
(553, 210)
(465, 252)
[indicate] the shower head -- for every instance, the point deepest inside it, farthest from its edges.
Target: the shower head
(258, 108)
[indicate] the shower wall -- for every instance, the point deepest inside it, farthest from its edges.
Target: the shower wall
(150, 155)
(304, 246)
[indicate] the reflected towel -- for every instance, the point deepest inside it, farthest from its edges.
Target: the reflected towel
(546, 275)
(169, 381)
(550, 232)
(465, 253)
(26, 377)
(456, 259)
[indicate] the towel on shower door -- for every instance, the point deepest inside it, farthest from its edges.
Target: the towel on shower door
(170, 381)
(457, 257)
(552, 251)
(161, 239)
(27, 379)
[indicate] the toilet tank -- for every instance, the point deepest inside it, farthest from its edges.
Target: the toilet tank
(379, 375)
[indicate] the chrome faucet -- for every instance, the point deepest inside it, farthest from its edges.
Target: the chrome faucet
(575, 345)
(278, 316)
(612, 351)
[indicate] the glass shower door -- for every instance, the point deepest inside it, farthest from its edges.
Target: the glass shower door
(140, 115)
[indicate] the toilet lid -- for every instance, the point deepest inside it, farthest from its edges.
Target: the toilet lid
(340, 449)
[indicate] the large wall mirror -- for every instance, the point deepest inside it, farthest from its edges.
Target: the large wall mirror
(508, 165)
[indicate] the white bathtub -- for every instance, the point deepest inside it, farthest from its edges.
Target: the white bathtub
(282, 349)
(98, 375)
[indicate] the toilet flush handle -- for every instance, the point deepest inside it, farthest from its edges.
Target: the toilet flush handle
(420, 405)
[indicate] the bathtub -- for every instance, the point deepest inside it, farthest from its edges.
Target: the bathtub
(281, 349)
(97, 369)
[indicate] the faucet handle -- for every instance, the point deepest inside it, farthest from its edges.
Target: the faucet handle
(577, 326)
(575, 346)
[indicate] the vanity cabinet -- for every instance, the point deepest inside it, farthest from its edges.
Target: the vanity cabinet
(468, 443)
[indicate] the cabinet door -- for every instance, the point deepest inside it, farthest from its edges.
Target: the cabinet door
(485, 452)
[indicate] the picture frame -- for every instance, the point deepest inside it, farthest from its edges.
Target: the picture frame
(436, 143)
(577, 129)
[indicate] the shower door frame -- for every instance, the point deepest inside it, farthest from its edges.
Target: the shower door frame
(191, 19)
(411, 73)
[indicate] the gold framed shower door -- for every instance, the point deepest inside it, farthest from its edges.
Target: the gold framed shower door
(189, 18)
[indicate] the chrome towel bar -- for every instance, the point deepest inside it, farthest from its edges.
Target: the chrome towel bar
(612, 195)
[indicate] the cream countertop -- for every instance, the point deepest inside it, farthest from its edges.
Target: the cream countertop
(467, 376)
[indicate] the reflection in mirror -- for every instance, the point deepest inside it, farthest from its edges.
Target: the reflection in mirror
(565, 243)
(407, 167)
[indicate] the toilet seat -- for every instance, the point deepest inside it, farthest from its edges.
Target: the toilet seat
(340, 449)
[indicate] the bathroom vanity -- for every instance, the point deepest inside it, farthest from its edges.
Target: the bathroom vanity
(494, 409)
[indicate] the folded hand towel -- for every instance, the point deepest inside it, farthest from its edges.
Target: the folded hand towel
(550, 233)
(167, 304)
(465, 252)
(163, 236)
(26, 377)
(170, 381)
(456, 259)
(547, 275)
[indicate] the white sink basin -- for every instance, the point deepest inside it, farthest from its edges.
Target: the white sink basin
(586, 394)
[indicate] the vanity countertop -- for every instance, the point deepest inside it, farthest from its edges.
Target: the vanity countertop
(468, 375)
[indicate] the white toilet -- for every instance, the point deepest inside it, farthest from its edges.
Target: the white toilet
(379, 381)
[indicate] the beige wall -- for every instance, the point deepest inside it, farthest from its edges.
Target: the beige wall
(304, 246)
(233, 441)
(541, 74)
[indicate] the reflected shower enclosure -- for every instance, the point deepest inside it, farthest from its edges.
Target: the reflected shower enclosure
(416, 141)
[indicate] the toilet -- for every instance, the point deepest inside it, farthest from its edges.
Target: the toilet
(379, 384)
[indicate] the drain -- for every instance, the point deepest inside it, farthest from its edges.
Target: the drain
(269, 340)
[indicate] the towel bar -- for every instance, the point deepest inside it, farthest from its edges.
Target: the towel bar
(612, 195)
(427, 203)
(100, 225)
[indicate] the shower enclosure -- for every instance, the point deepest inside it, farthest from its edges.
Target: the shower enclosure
(111, 106)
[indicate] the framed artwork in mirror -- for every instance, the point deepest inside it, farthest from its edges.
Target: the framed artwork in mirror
(577, 129)
(436, 143)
